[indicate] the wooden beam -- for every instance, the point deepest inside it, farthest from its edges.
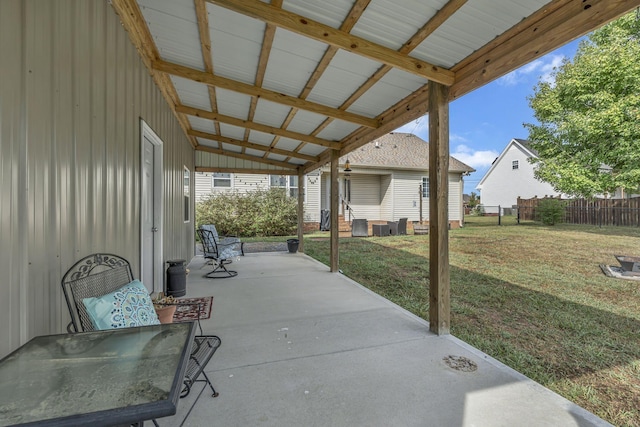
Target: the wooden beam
(338, 38)
(439, 293)
(549, 28)
(410, 108)
(242, 156)
(247, 89)
(205, 47)
(251, 145)
(301, 190)
(287, 172)
(255, 126)
(333, 213)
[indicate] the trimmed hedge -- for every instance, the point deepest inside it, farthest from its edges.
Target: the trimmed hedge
(258, 213)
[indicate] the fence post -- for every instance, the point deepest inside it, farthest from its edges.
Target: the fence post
(499, 215)
(518, 213)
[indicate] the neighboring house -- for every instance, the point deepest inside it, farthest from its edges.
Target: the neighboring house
(510, 177)
(383, 184)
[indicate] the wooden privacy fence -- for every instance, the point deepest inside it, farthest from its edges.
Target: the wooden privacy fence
(619, 212)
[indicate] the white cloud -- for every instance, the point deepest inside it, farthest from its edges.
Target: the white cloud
(540, 68)
(476, 159)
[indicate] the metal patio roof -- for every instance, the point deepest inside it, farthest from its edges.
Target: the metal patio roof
(260, 86)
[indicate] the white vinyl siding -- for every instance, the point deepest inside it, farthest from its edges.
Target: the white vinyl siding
(386, 197)
(312, 202)
(365, 196)
(407, 196)
(502, 185)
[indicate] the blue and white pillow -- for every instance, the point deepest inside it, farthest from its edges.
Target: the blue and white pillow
(127, 307)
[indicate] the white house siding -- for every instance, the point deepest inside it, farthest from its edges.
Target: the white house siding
(365, 196)
(313, 198)
(455, 197)
(387, 197)
(72, 92)
(502, 185)
(243, 182)
(407, 197)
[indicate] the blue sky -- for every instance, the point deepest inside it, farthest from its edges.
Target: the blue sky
(484, 121)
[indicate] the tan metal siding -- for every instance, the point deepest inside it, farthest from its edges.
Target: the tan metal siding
(72, 92)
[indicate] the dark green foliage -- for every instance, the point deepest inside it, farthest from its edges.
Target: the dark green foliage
(551, 211)
(258, 213)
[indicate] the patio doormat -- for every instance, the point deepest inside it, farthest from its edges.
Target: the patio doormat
(187, 310)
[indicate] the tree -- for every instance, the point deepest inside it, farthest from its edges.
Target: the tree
(474, 200)
(588, 136)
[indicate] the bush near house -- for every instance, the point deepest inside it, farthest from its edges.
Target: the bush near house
(258, 213)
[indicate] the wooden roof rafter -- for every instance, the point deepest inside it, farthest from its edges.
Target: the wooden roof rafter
(257, 92)
(354, 14)
(440, 17)
(242, 156)
(253, 146)
(256, 126)
(134, 23)
(341, 39)
(205, 46)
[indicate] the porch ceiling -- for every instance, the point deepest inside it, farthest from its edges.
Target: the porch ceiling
(277, 86)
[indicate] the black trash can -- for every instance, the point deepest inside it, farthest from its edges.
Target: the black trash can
(176, 278)
(292, 245)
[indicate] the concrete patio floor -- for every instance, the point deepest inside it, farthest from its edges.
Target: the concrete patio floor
(305, 347)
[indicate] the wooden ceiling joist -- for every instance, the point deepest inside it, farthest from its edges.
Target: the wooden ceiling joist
(211, 169)
(228, 153)
(280, 98)
(139, 34)
(245, 144)
(540, 33)
(338, 38)
(256, 126)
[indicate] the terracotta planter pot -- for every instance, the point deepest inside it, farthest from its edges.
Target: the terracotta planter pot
(165, 314)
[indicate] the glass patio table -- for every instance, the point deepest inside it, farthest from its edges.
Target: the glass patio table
(102, 378)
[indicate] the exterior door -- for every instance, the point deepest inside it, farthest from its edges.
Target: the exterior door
(151, 211)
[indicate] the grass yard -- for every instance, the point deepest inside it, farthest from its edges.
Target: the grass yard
(531, 296)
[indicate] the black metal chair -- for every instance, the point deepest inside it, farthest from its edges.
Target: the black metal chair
(100, 274)
(219, 253)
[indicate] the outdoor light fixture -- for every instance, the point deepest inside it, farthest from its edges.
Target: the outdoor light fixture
(347, 167)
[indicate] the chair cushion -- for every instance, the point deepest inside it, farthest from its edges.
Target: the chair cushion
(127, 307)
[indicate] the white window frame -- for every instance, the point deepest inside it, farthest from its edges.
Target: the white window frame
(288, 187)
(214, 178)
(425, 187)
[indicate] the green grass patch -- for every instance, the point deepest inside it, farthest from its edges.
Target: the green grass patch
(531, 296)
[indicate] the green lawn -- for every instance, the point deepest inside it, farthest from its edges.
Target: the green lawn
(531, 296)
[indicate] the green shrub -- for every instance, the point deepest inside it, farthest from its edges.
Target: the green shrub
(550, 211)
(258, 213)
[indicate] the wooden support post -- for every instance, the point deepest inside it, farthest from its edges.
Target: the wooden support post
(301, 190)
(335, 156)
(439, 300)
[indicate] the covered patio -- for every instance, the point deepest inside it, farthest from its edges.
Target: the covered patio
(302, 346)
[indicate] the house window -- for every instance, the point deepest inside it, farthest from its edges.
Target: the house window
(289, 183)
(425, 187)
(515, 165)
(221, 180)
(186, 192)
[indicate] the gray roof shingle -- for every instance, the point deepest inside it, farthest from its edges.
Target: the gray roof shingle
(398, 151)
